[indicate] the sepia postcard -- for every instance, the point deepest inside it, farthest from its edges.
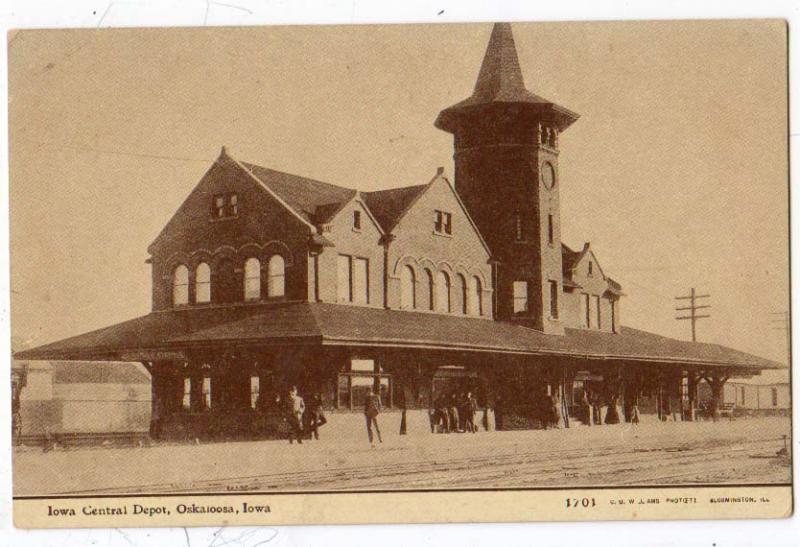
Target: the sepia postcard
(482, 272)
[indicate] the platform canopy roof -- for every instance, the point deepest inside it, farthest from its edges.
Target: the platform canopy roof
(169, 334)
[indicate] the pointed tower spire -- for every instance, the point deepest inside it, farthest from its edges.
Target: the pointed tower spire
(500, 75)
(500, 81)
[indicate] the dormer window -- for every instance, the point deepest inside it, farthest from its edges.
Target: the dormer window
(443, 223)
(356, 220)
(225, 205)
(591, 268)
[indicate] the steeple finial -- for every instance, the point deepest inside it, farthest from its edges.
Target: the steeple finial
(500, 75)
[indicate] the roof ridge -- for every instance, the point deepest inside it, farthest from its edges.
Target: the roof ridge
(338, 186)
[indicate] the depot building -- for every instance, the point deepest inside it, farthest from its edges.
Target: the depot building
(263, 280)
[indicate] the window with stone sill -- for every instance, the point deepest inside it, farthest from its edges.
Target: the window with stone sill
(443, 222)
(520, 297)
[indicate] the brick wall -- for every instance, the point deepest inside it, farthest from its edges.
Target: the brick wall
(417, 245)
(262, 227)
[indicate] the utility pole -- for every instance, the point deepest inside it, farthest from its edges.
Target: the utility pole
(692, 309)
(781, 321)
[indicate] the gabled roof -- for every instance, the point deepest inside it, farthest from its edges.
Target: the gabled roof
(570, 259)
(335, 324)
(314, 200)
(390, 205)
(393, 204)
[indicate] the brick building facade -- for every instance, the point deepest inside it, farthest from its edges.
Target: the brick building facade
(263, 280)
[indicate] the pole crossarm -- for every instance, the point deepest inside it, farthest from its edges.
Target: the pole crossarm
(692, 308)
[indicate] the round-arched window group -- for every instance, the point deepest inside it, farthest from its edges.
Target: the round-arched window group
(438, 290)
(253, 287)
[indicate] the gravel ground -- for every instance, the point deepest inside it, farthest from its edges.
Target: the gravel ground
(744, 451)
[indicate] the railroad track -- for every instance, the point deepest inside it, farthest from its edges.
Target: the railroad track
(516, 468)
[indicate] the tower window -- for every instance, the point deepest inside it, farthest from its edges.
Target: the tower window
(519, 227)
(443, 223)
(553, 299)
(550, 230)
(356, 220)
(520, 296)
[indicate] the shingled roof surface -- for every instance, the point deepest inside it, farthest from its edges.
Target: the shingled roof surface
(388, 206)
(500, 80)
(335, 324)
(314, 200)
(97, 372)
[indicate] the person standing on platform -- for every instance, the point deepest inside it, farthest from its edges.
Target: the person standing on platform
(372, 407)
(316, 418)
(442, 416)
(296, 408)
(452, 413)
(470, 407)
(587, 407)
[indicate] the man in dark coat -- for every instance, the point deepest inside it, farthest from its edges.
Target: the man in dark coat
(315, 416)
(470, 406)
(372, 407)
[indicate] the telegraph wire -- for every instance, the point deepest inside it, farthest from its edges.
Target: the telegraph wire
(81, 148)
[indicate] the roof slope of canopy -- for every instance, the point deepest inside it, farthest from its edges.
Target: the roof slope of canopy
(333, 324)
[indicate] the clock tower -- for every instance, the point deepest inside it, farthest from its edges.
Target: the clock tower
(506, 142)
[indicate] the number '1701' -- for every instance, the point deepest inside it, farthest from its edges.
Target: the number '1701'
(582, 502)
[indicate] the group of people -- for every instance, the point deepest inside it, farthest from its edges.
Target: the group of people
(302, 417)
(305, 420)
(454, 413)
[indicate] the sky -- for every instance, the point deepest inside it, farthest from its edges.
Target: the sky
(676, 172)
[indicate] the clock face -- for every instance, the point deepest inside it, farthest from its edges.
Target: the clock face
(548, 175)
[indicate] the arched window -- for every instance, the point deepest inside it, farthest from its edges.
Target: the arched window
(180, 286)
(276, 276)
(475, 291)
(462, 289)
(202, 284)
(408, 299)
(429, 281)
(443, 292)
(252, 279)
